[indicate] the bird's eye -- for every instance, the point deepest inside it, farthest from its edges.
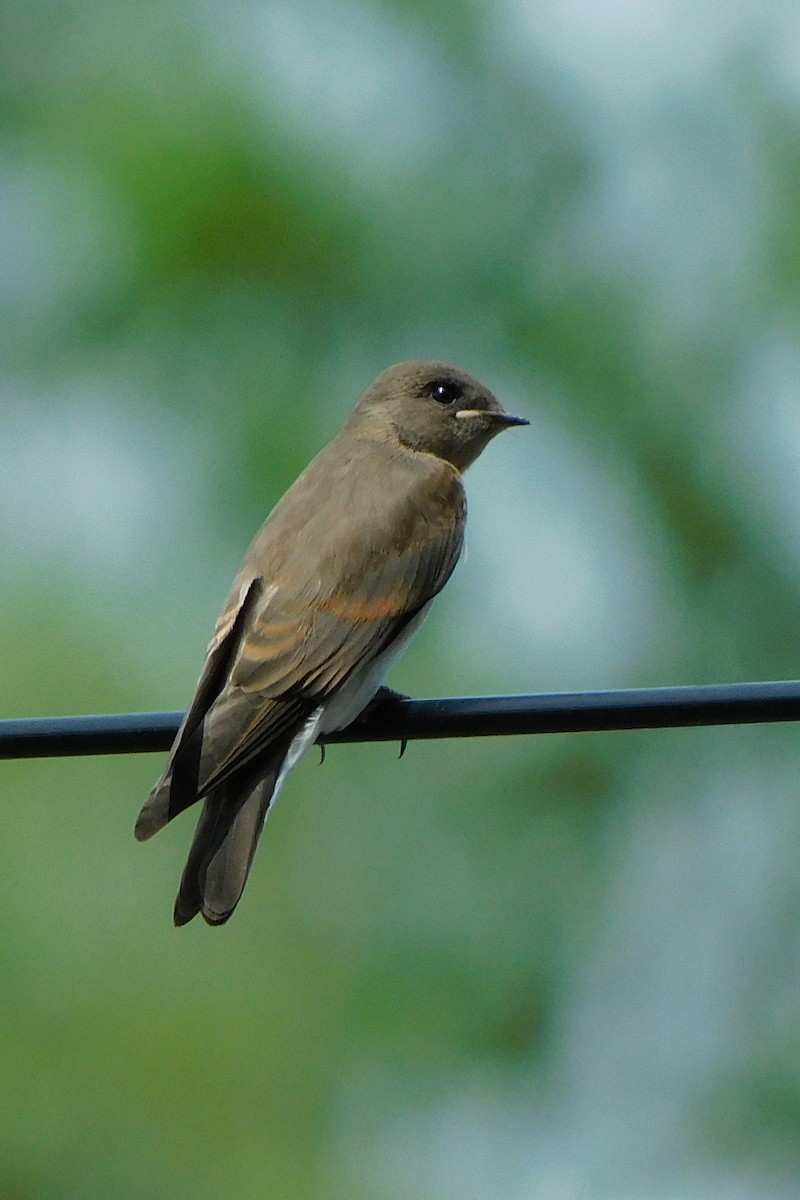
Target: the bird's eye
(444, 392)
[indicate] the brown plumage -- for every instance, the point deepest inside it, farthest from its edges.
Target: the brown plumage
(334, 583)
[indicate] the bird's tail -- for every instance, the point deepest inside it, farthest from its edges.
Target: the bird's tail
(229, 828)
(230, 825)
(223, 848)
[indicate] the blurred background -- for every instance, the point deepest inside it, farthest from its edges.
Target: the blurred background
(561, 968)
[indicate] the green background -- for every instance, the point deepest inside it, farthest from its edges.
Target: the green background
(564, 967)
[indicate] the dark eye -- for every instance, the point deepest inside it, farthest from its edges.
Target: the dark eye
(444, 392)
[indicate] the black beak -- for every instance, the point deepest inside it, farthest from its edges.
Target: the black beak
(507, 419)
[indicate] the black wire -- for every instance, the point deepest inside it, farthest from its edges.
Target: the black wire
(406, 720)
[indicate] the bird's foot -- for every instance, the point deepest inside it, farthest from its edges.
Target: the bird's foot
(384, 697)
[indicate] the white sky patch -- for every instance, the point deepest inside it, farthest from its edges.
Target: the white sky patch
(562, 582)
(621, 50)
(678, 186)
(62, 239)
(89, 486)
(345, 77)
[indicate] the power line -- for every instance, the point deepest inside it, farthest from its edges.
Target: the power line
(408, 720)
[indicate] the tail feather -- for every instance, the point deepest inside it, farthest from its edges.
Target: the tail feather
(231, 820)
(222, 850)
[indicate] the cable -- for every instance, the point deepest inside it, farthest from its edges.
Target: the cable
(398, 720)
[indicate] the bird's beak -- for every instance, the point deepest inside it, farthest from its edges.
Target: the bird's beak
(504, 418)
(498, 416)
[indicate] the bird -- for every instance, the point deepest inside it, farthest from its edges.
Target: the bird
(337, 580)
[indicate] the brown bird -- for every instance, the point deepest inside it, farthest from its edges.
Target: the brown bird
(336, 581)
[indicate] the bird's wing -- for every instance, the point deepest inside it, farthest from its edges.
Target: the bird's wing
(298, 648)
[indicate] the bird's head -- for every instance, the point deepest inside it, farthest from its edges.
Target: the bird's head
(437, 409)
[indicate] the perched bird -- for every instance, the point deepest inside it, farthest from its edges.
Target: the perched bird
(336, 581)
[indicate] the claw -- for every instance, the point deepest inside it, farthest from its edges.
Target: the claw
(321, 753)
(403, 745)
